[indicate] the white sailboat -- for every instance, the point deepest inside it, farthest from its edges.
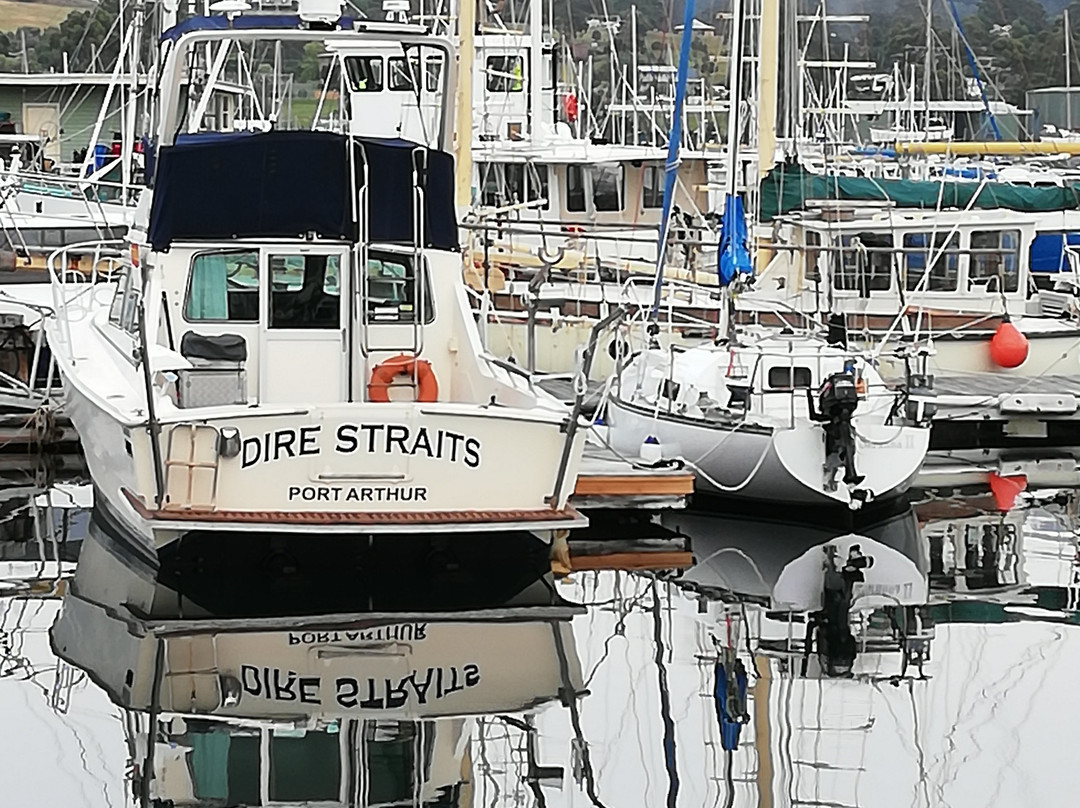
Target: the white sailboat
(288, 345)
(785, 418)
(761, 415)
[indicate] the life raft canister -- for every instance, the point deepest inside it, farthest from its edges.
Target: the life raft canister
(427, 386)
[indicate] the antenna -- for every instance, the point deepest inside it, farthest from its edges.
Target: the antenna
(230, 8)
(397, 10)
(320, 11)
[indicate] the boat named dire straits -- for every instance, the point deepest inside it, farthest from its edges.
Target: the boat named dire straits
(286, 343)
(784, 417)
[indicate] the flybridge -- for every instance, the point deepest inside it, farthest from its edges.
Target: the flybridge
(310, 178)
(283, 22)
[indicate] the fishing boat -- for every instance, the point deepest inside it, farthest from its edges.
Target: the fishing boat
(783, 417)
(293, 349)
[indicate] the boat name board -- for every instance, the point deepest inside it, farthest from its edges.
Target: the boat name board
(422, 685)
(387, 439)
(356, 493)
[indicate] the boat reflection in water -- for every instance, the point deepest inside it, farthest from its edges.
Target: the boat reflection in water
(318, 676)
(826, 593)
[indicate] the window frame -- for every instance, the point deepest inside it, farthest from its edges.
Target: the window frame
(495, 77)
(191, 275)
(839, 269)
(267, 299)
(620, 170)
(429, 313)
(948, 257)
(975, 277)
(352, 80)
(414, 74)
(797, 377)
(656, 170)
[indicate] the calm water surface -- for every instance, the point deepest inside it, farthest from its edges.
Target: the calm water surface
(428, 673)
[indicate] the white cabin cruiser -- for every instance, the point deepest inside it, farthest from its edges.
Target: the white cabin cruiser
(782, 417)
(290, 346)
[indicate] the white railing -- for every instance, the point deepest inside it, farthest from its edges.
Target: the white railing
(74, 289)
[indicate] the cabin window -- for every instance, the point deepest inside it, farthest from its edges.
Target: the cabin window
(503, 184)
(505, 74)
(575, 189)
(402, 74)
(306, 768)
(305, 291)
(433, 74)
(652, 187)
(789, 378)
(1049, 251)
(223, 286)
(364, 73)
(607, 186)
(865, 263)
(117, 304)
(124, 308)
(813, 254)
(391, 290)
(944, 272)
(995, 260)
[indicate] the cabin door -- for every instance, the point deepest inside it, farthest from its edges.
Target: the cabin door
(303, 357)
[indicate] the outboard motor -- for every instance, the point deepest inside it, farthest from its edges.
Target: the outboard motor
(837, 399)
(831, 627)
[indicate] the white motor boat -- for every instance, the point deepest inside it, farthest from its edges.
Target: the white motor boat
(782, 417)
(293, 349)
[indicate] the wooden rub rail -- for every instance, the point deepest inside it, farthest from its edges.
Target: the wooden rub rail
(369, 518)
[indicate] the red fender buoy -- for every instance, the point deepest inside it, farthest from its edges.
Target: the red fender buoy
(1008, 347)
(1006, 489)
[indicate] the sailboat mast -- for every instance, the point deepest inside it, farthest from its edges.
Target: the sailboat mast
(463, 118)
(1068, 75)
(536, 65)
(928, 61)
(671, 165)
(767, 85)
(734, 97)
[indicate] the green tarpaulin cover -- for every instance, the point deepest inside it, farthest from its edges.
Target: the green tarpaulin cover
(788, 186)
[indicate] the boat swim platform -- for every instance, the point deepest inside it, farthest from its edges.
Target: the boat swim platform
(607, 481)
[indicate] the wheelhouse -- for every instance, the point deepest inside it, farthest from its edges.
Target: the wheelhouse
(976, 260)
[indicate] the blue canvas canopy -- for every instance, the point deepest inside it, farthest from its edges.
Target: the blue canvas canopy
(290, 184)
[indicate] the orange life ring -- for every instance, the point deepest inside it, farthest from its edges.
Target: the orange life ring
(427, 386)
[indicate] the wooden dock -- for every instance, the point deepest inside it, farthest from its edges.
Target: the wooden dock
(620, 498)
(607, 481)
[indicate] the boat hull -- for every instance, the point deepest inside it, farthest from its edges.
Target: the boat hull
(771, 464)
(349, 468)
